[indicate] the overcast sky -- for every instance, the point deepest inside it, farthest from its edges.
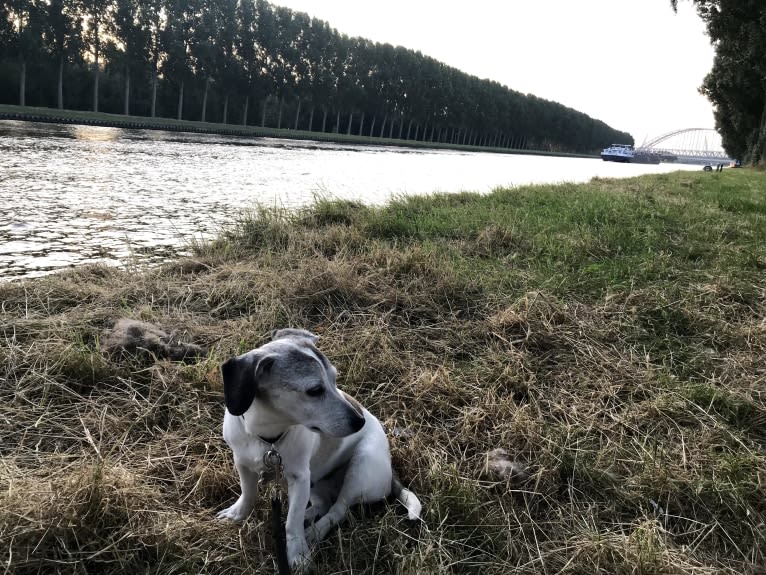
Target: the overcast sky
(634, 64)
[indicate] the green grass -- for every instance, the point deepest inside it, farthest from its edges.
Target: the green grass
(609, 336)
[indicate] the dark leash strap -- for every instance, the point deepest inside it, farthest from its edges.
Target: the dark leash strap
(273, 462)
(278, 534)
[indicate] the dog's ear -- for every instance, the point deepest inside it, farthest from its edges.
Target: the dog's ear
(240, 381)
(292, 332)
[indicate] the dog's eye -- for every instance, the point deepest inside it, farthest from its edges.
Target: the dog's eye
(315, 391)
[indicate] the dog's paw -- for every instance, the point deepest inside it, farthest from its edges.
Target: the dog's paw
(313, 514)
(312, 535)
(236, 512)
(298, 555)
(302, 565)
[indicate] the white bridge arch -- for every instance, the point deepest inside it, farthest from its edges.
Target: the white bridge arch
(687, 146)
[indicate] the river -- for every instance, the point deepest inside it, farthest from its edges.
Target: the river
(74, 194)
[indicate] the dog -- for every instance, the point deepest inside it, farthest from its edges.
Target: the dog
(334, 452)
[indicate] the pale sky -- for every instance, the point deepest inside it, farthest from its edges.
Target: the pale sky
(633, 64)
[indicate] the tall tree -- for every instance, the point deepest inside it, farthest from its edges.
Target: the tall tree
(129, 28)
(178, 39)
(737, 83)
(227, 66)
(97, 14)
(204, 49)
(249, 55)
(21, 15)
(63, 36)
(155, 20)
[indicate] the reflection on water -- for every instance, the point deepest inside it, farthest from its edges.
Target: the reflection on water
(76, 194)
(94, 134)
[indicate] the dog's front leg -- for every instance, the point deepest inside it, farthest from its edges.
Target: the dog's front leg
(248, 481)
(298, 494)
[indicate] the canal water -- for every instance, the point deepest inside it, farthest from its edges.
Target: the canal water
(73, 194)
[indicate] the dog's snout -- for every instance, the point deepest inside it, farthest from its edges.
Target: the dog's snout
(354, 413)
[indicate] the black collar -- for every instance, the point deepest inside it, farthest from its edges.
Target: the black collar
(269, 440)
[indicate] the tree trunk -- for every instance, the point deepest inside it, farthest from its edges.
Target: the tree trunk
(244, 112)
(181, 101)
(337, 123)
(350, 120)
(409, 129)
(60, 88)
(154, 92)
(23, 84)
(279, 114)
(22, 59)
(361, 125)
(95, 87)
(391, 129)
(383, 127)
(297, 114)
(225, 108)
(760, 154)
(401, 126)
(204, 99)
(324, 119)
(311, 119)
(372, 126)
(263, 111)
(126, 100)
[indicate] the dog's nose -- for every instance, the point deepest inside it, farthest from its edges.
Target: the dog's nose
(357, 422)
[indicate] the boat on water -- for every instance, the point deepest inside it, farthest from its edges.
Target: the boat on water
(618, 153)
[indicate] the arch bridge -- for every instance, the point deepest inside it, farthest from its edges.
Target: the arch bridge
(688, 146)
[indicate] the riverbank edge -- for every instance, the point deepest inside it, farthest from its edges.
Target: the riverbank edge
(101, 119)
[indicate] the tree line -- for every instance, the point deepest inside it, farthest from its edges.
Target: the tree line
(736, 85)
(252, 63)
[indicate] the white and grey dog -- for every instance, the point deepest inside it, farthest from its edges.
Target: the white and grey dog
(334, 452)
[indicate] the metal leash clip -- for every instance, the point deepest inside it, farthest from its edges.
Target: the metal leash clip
(272, 460)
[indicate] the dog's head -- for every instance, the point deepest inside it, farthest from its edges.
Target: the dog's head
(292, 382)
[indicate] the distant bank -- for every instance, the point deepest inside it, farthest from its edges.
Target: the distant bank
(85, 118)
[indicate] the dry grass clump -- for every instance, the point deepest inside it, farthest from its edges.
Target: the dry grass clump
(608, 338)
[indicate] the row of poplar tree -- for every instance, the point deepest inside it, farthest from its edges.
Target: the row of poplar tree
(250, 62)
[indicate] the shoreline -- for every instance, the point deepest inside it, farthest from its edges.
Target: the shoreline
(100, 119)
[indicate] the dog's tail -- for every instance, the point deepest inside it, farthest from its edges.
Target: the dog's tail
(406, 498)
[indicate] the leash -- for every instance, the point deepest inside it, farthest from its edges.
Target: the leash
(273, 462)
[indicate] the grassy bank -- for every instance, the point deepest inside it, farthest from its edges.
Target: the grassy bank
(609, 336)
(84, 117)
